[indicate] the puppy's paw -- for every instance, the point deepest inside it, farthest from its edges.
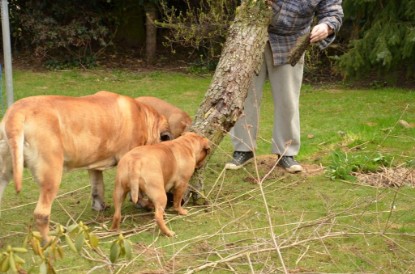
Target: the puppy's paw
(115, 227)
(169, 233)
(182, 211)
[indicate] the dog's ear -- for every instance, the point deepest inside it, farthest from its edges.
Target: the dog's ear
(206, 146)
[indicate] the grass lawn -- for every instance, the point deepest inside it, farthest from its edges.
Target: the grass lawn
(259, 219)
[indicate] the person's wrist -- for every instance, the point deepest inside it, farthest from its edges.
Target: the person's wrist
(330, 31)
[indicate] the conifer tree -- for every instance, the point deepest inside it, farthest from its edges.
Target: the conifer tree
(382, 37)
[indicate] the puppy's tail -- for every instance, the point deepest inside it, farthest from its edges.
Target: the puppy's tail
(14, 129)
(135, 189)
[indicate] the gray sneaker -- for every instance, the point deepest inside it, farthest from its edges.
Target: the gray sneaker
(289, 164)
(240, 158)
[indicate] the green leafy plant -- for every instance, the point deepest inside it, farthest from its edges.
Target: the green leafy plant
(76, 236)
(71, 35)
(87, 62)
(343, 164)
(10, 260)
(83, 236)
(119, 248)
(51, 251)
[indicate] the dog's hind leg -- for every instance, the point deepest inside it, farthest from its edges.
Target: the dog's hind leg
(97, 184)
(49, 177)
(119, 196)
(158, 196)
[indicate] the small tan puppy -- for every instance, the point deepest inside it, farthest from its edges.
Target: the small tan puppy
(178, 119)
(155, 169)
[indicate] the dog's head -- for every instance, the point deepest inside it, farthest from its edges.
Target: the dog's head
(166, 135)
(179, 121)
(205, 143)
(165, 132)
(158, 129)
(201, 147)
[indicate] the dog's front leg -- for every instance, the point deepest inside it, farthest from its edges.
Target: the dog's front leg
(97, 184)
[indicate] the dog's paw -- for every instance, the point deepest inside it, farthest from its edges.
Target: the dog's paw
(99, 206)
(169, 233)
(115, 228)
(182, 211)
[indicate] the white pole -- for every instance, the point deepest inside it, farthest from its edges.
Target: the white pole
(7, 52)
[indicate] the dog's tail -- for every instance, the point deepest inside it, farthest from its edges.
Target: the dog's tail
(135, 189)
(14, 128)
(6, 169)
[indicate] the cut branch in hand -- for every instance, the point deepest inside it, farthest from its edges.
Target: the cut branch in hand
(300, 47)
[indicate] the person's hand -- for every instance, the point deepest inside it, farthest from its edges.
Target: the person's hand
(320, 32)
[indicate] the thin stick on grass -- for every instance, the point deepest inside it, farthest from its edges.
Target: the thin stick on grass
(395, 125)
(216, 182)
(392, 207)
(92, 270)
(64, 209)
(227, 264)
(139, 255)
(268, 214)
(250, 263)
(302, 255)
(244, 253)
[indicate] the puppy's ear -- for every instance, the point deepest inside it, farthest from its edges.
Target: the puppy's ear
(206, 146)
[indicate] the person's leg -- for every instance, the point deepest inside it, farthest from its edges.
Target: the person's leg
(286, 83)
(243, 134)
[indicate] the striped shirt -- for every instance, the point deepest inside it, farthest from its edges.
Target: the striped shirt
(293, 19)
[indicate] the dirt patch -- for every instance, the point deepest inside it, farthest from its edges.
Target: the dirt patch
(386, 177)
(266, 164)
(389, 177)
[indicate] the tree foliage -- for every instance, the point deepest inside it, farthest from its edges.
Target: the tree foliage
(58, 29)
(379, 34)
(200, 26)
(382, 37)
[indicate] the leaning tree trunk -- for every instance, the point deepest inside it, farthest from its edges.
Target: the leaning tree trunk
(241, 57)
(151, 32)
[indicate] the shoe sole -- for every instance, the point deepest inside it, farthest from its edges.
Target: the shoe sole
(294, 169)
(232, 166)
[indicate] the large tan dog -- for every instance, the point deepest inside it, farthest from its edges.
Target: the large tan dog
(153, 170)
(50, 134)
(179, 120)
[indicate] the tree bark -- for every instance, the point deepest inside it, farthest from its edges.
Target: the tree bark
(300, 47)
(241, 57)
(151, 32)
